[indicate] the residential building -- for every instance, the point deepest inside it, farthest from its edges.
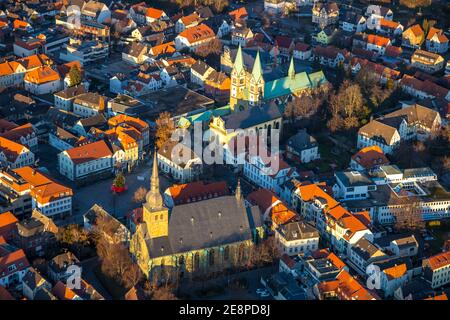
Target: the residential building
(325, 13)
(368, 159)
(13, 265)
(194, 37)
(436, 41)
(86, 162)
(179, 161)
(36, 235)
(413, 37)
(302, 147)
(58, 268)
(89, 104)
(437, 270)
(14, 155)
(296, 237)
(86, 52)
(43, 80)
(8, 223)
(427, 61)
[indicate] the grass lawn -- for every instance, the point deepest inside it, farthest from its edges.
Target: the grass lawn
(116, 290)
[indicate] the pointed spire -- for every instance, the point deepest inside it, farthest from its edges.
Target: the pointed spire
(154, 184)
(257, 69)
(239, 61)
(153, 197)
(238, 190)
(291, 72)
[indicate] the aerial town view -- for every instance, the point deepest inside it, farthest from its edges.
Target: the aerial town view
(222, 150)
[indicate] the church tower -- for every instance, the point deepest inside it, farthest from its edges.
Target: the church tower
(155, 214)
(291, 72)
(238, 81)
(256, 82)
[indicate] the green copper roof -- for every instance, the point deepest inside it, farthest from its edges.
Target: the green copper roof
(257, 69)
(287, 85)
(204, 116)
(239, 61)
(317, 78)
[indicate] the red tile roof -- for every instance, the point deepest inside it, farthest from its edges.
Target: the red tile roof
(198, 33)
(196, 191)
(89, 152)
(440, 260)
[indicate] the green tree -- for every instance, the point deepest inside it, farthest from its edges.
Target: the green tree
(74, 76)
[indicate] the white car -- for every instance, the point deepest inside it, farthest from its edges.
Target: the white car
(265, 294)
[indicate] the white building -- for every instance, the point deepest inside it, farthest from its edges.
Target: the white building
(437, 269)
(296, 237)
(352, 185)
(87, 161)
(14, 155)
(179, 161)
(43, 80)
(85, 52)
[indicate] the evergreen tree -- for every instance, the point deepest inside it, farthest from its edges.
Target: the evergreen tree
(74, 76)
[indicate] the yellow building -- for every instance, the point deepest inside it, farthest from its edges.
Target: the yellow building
(198, 237)
(250, 89)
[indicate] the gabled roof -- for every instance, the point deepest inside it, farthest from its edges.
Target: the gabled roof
(89, 152)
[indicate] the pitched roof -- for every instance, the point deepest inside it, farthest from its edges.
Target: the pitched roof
(378, 40)
(7, 219)
(369, 157)
(396, 272)
(11, 149)
(63, 292)
(42, 75)
(197, 33)
(89, 152)
(197, 191)
(439, 260)
(154, 13)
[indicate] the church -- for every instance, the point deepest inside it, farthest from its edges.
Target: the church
(203, 236)
(251, 88)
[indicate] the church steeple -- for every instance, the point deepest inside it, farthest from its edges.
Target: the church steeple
(237, 193)
(291, 72)
(257, 69)
(155, 214)
(153, 197)
(239, 61)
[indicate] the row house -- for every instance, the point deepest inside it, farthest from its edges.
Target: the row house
(12, 73)
(345, 287)
(14, 155)
(330, 56)
(64, 99)
(389, 28)
(24, 135)
(140, 125)
(382, 73)
(199, 72)
(423, 89)
(13, 265)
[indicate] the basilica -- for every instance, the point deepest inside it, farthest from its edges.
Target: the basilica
(253, 87)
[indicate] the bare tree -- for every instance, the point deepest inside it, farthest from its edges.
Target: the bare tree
(164, 128)
(139, 195)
